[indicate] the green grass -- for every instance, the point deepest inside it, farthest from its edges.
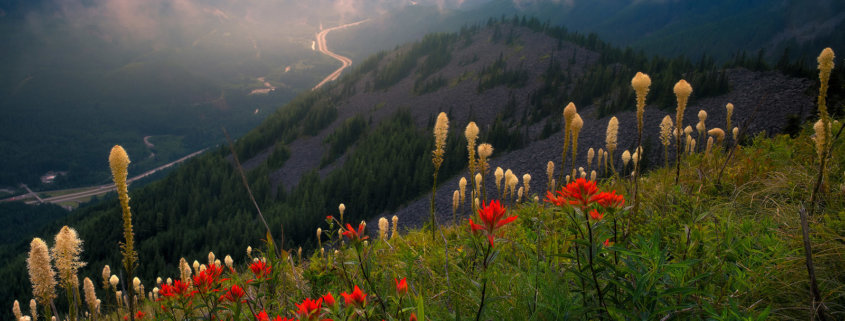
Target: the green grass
(702, 249)
(698, 250)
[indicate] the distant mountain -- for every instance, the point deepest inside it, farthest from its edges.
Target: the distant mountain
(365, 140)
(718, 28)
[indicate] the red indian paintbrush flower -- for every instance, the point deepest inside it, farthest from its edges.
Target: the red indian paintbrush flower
(579, 192)
(328, 299)
(356, 298)
(491, 219)
(260, 269)
(611, 199)
(594, 214)
(583, 193)
(309, 309)
(234, 294)
(354, 235)
(207, 279)
(401, 285)
(178, 289)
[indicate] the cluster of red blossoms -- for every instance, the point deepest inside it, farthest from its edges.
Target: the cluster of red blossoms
(583, 193)
(311, 310)
(492, 218)
(355, 235)
(260, 269)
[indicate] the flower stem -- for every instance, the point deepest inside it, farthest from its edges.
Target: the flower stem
(483, 287)
(367, 278)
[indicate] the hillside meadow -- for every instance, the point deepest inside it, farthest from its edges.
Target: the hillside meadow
(732, 227)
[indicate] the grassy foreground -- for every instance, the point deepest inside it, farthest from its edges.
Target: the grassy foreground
(701, 249)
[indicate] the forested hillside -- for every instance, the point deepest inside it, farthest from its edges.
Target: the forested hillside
(364, 139)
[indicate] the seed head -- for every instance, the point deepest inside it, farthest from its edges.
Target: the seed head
(341, 208)
(691, 146)
(185, 269)
(526, 181)
(90, 295)
(635, 158)
(640, 83)
(471, 133)
(718, 133)
(106, 274)
(682, 92)
(462, 186)
(735, 133)
(41, 273)
(612, 130)
(590, 154)
(478, 179)
(395, 227)
(229, 262)
(666, 128)
(114, 280)
(16, 310)
(136, 283)
(626, 157)
(702, 115)
(498, 174)
(819, 137)
(688, 130)
(593, 175)
(249, 251)
(485, 150)
(550, 171)
(568, 114)
(577, 124)
(512, 182)
(33, 309)
(441, 128)
(519, 194)
(211, 257)
(730, 111)
(826, 60)
(383, 226)
(709, 147)
(456, 200)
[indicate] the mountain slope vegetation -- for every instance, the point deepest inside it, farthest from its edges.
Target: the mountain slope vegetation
(512, 77)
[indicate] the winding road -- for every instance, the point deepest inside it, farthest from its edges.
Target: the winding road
(322, 47)
(93, 190)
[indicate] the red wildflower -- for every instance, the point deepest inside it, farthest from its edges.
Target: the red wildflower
(178, 289)
(309, 309)
(260, 269)
(596, 215)
(356, 298)
(583, 193)
(401, 286)
(611, 199)
(234, 294)
(492, 218)
(413, 317)
(607, 243)
(328, 299)
(138, 316)
(207, 279)
(354, 235)
(262, 316)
